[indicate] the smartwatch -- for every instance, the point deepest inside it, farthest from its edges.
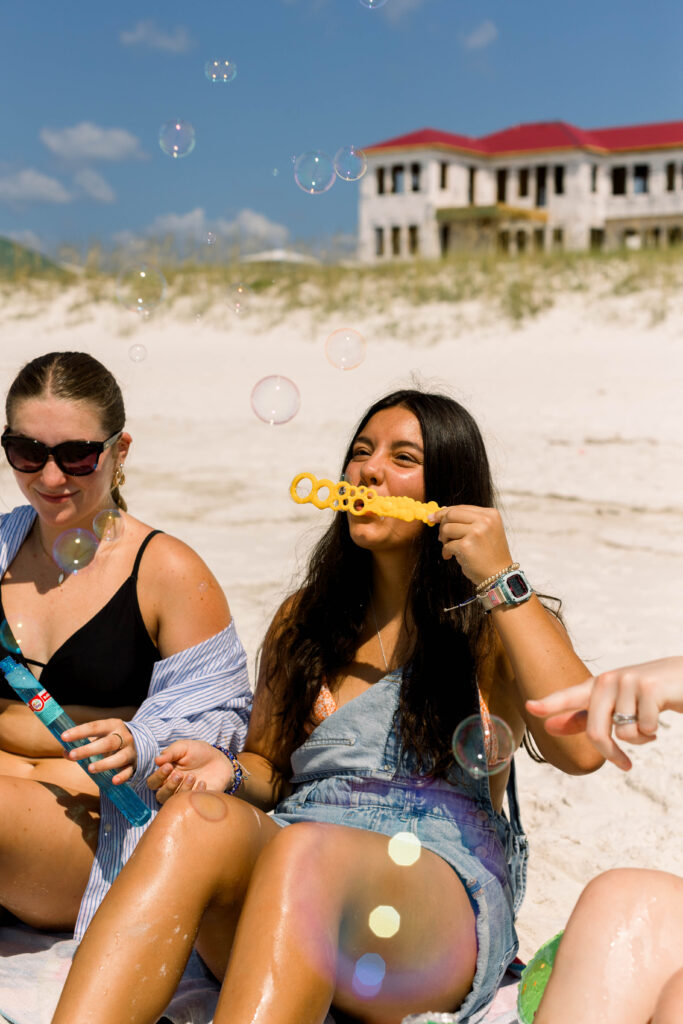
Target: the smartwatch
(511, 588)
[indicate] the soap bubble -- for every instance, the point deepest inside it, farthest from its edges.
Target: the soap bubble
(177, 138)
(345, 348)
(239, 297)
(405, 849)
(368, 975)
(275, 400)
(140, 288)
(210, 238)
(108, 524)
(220, 70)
(314, 172)
(373, 4)
(470, 740)
(74, 550)
(350, 163)
(13, 638)
(137, 353)
(384, 921)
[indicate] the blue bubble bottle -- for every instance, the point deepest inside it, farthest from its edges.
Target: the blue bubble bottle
(52, 715)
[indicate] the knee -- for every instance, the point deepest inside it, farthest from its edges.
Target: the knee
(613, 888)
(191, 818)
(668, 1008)
(297, 851)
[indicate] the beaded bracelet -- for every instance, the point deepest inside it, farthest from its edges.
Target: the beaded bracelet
(490, 580)
(240, 773)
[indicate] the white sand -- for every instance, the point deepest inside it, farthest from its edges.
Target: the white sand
(582, 412)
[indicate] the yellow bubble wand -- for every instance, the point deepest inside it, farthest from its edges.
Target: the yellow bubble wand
(359, 500)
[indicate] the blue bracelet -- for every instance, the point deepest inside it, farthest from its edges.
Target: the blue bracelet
(236, 767)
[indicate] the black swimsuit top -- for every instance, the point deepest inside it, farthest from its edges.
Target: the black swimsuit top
(108, 662)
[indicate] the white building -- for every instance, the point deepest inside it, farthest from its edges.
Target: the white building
(542, 185)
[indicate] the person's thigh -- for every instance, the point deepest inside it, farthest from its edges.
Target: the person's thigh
(47, 843)
(669, 1009)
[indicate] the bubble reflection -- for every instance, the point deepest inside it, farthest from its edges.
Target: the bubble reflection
(483, 748)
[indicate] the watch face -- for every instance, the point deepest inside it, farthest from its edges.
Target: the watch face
(517, 585)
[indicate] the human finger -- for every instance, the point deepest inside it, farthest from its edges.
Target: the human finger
(568, 724)
(159, 777)
(573, 698)
(107, 747)
(603, 705)
(174, 753)
(170, 787)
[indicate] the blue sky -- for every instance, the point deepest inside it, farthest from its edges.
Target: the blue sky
(85, 87)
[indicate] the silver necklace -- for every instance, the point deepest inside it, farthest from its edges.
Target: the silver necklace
(379, 635)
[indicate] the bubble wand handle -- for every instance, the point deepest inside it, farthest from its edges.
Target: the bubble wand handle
(358, 500)
(55, 718)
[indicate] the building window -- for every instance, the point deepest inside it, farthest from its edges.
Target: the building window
(504, 241)
(597, 238)
(594, 177)
(539, 239)
(395, 241)
(380, 181)
(523, 181)
(670, 177)
(641, 179)
(443, 175)
(415, 172)
(501, 185)
(558, 238)
(397, 178)
(379, 241)
(541, 186)
(558, 174)
(521, 240)
(471, 185)
(618, 181)
(675, 236)
(444, 238)
(413, 240)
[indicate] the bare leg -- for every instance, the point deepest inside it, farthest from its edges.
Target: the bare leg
(196, 856)
(668, 1010)
(47, 843)
(306, 925)
(623, 942)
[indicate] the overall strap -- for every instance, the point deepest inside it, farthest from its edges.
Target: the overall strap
(513, 800)
(141, 551)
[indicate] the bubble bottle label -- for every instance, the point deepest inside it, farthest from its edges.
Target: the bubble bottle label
(55, 718)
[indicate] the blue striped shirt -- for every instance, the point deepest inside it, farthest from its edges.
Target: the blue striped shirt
(200, 693)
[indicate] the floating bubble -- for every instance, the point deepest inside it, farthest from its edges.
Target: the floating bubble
(275, 400)
(372, 4)
(368, 975)
(108, 524)
(350, 163)
(220, 70)
(177, 138)
(239, 297)
(314, 172)
(137, 353)
(203, 587)
(210, 238)
(483, 749)
(275, 172)
(74, 550)
(384, 921)
(405, 849)
(345, 348)
(14, 638)
(141, 288)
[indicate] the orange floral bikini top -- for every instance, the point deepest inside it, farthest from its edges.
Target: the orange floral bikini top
(325, 705)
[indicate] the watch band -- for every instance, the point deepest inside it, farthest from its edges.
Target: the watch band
(511, 589)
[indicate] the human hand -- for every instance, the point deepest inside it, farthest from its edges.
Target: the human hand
(475, 537)
(190, 764)
(640, 691)
(112, 740)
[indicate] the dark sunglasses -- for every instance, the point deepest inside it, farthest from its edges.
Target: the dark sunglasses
(75, 458)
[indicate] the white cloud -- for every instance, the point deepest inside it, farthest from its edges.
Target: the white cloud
(483, 35)
(30, 186)
(148, 33)
(95, 186)
(249, 228)
(192, 224)
(28, 238)
(396, 9)
(88, 141)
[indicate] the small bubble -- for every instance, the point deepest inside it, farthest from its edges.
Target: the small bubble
(314, 172)
(108, 524)
(210, 238)
(108, 828)
(203, 587)
(140, 288)
(345, 348)
(275, 400)
(220, 70)
(384, 921)
(275, 172)
(350, 163)
(239, 298)
(405, 848)
(74, 550)
(483, 749)
(8, 639)
(372, 4)
(137, 353)
(177, 138)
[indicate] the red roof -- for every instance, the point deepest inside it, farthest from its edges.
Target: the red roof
(540, 136)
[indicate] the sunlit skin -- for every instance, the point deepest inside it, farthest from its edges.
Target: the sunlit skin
(287, 910)
(50, 805)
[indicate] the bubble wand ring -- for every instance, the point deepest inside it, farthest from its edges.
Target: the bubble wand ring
(359, 500)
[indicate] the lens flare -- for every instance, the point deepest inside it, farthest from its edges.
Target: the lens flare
(384, 921)
(405, 849)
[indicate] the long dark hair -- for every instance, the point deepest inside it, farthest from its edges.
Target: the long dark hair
(319, 634)
(77, 377)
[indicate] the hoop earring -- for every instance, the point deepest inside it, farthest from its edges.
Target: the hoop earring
(119, 476)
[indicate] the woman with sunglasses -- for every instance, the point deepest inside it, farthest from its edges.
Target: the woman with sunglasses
(387, 879)
(139, 648)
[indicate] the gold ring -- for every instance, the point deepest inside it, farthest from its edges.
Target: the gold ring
(120, 746)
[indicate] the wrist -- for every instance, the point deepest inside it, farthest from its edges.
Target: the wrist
(509, 590)
(239, 772)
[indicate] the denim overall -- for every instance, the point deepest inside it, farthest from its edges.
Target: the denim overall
(350, 772)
